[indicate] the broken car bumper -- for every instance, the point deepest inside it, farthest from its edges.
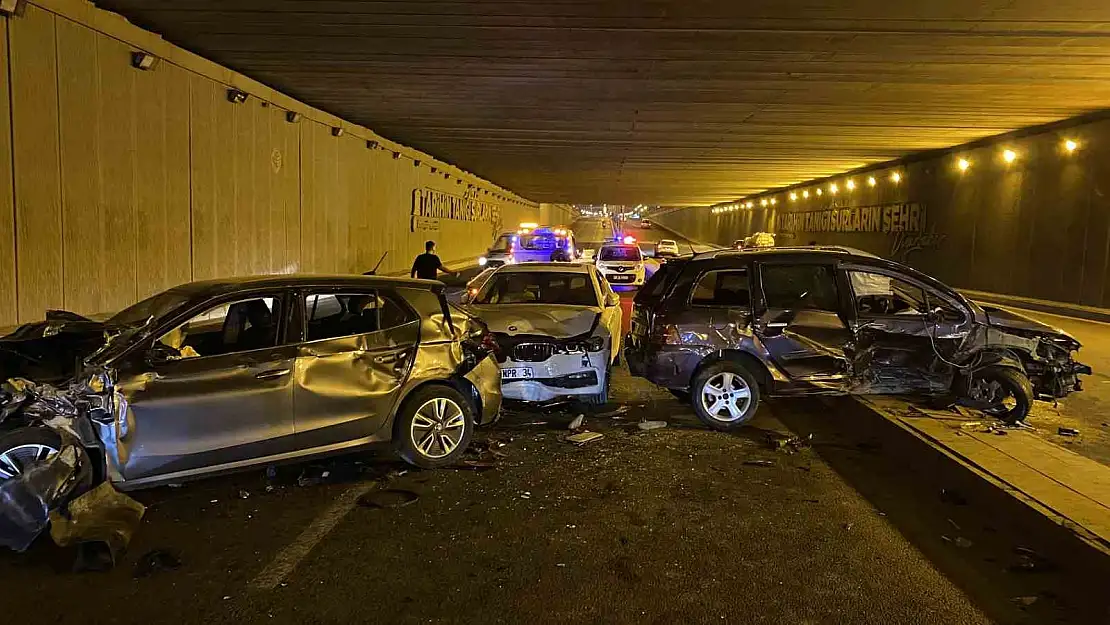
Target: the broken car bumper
(486, 379)
(559, 377)
(667, 367)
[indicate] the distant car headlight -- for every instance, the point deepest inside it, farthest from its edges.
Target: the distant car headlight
(482, 260)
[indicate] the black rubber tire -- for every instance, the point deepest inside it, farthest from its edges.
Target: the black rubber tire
(50, 438)
(402, 431)
(1013, 382)
(705, 375)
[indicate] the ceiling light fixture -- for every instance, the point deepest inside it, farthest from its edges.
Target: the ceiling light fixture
(1009, 155)
(1070, 145)
(235, 96)
(143, 60)
(963, 164)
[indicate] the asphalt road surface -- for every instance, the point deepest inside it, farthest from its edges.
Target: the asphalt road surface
(673, 525)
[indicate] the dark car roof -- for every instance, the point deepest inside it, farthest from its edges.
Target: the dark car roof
(800, 251)
(284, 281)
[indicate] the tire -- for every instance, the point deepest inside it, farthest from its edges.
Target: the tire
(430, 421)
(27, 444)
(1009, 388)
(734, 386)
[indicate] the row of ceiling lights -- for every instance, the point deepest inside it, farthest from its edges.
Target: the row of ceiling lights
(1008, 156)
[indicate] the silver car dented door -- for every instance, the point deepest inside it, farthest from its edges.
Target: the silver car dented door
(347, 381)
(199, 412)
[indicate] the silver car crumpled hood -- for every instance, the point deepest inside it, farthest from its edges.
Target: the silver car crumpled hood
(556, 321)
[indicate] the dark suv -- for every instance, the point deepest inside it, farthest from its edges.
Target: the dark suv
(722, 328)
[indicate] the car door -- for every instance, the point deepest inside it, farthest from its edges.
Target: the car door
(213, 391)
(611, 314)
(358, 348)
(800, 319)
(904, 331)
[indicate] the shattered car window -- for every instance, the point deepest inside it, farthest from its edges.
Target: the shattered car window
(536, 287)
(798, 287)
(722, 288)
(226, 328)
(876, 294)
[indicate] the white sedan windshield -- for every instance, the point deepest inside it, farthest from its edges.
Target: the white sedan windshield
(538, 287)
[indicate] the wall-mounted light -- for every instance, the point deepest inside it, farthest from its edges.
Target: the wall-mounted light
(763, 202)
(371, 144)
(819, 192)
(871, 181)
(236, 96)
(750, 204)
(773, 201)
(896, 177)
(292, 117)
(12, 7)
(833, 188)
(143, 60)
(336, 131)
(1070, 145)
(396, 155)
(446, 176)
(416, 163)
(805, 194)
(1009, 155)
(851, 184)
(793, 196)
(963, 164)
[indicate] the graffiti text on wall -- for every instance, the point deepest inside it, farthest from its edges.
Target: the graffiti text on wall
(433, 204)
(901, 217)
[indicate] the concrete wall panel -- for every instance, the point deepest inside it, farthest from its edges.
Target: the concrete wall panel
(8, 283)
(35, 150)
(127, 182)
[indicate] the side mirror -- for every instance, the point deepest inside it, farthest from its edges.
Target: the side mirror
(612, 299)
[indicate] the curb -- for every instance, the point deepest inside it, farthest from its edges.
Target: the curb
(1021, 506)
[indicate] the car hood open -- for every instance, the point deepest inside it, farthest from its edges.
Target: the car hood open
(48, 350)
(556, 321)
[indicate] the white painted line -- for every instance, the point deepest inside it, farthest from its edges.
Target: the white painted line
(288, 559)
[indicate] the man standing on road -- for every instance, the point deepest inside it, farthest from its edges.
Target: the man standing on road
(427, 265)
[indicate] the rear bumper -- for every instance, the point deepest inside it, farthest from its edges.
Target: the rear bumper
(486, 378)
(667, 366)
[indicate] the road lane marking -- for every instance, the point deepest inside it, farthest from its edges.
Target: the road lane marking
(288, 559)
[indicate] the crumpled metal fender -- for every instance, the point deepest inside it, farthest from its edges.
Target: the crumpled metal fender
(995, 358)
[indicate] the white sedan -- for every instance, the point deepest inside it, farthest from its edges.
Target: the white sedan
(558, 328)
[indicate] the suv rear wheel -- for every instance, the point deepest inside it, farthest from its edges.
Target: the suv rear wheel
(725, 395)
(434, 427)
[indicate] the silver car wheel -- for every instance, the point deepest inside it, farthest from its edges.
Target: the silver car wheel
(13, 461)
(725, 397)
(437, 427)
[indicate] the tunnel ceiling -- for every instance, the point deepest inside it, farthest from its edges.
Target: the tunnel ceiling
(661, 101)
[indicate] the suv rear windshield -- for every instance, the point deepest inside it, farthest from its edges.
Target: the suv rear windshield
(541, 242)
(620, 252)
(657, 285)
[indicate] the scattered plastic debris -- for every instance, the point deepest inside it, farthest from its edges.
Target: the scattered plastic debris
(1024, 602)
(561, 565)
(584, 437)
(760, 463)
(244, 494)
(1062, 431)
(971, 424)
(577, 422)
(788, 444)
(476, 465)
(651, 425)
(102, 515)
(157, 560)
(388, 498)
(1030, 561)
(847, 526)
(962, 543)
(313, 476)
(613, 413)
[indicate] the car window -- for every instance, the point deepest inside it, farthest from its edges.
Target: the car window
(620, 252)
(332, 315)
(657, 284)
(237, 326)
(798, 287)
(878, 294)
(538, 287)
(722, 288)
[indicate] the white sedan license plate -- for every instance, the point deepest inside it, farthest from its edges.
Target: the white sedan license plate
(517, 373)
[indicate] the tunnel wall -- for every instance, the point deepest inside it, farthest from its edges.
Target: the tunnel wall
(116, 183)
(1038, 227)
